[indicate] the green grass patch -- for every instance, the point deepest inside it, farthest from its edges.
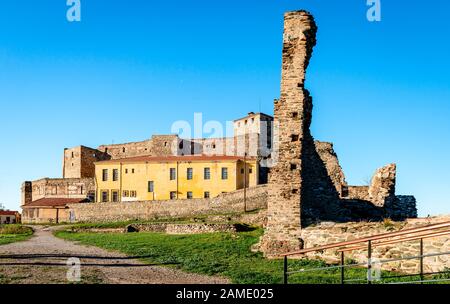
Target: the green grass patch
(14, 233)
(224, 254)
(123, 224)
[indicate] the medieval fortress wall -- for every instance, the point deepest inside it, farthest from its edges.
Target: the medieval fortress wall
(226, 203)
(78, 170)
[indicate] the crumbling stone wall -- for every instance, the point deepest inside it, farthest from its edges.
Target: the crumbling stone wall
(382, 187)
(307, 185)
(293, 113)
(320, 191)
(329, 157)
(356, 193)
(329, 233)
(232, 202)
(402, 207)
(183, 228)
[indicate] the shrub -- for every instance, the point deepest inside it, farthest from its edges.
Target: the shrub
(15, 229)
(388, 224)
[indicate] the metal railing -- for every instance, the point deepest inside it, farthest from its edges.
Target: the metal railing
(379, 240)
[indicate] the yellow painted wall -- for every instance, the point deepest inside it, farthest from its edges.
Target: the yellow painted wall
(159, 173)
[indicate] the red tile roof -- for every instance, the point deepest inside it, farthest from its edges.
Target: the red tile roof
(7, 212)
(187, 158)
(55, 202)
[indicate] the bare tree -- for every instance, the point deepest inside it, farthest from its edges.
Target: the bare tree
(2, 207)
(367, 181)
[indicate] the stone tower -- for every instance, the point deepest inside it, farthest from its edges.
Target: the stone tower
(292, 113)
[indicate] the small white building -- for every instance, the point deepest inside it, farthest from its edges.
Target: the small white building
(9, 217)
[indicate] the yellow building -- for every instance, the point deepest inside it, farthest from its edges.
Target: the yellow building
(172, 177)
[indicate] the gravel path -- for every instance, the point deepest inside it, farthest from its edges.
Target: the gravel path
(43, 260)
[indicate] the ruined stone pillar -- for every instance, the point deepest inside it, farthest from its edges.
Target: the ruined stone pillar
(382, 186)
(293, 114)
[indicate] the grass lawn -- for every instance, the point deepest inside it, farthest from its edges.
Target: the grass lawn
(14, 233)
(224, 254)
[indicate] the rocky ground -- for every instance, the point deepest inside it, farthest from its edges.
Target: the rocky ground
(43, 260)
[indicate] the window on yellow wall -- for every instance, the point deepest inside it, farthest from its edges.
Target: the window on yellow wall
(115, 196)
(173, 174)
(133, 194)
(126, 193)
(105, 175)
(207, 173)
(206, 194)
(105, 196)
(115, 175)
(224, 173)
(189, 195)
(173, 195)
(189, 173)
(151, 186)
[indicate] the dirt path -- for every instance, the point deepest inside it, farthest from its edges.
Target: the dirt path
(43, 260)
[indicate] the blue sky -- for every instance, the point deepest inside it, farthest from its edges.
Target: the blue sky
(130, 69)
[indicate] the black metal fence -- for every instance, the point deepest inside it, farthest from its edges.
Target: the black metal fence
(374, 265)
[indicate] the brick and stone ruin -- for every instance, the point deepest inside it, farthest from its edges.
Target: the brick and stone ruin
(307, 184)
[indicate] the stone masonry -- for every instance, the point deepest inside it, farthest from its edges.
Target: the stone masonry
(307, 184)
(232, 202)
(57, 188)
(293, 112)
(79, 162)
(330, 233)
